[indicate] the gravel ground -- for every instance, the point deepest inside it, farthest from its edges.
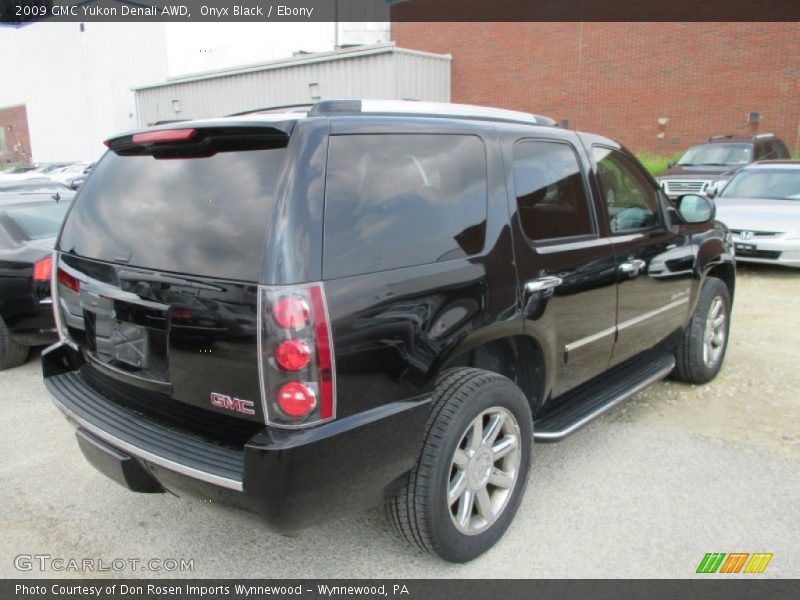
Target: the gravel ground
(645, 491)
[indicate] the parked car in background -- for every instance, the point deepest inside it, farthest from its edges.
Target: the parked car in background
(425, 291)
(20, 173)
(17, 170)
(29, 223)
(27, 172)
(761, 206)
(709, 165)
(73, 175)
(36, 186)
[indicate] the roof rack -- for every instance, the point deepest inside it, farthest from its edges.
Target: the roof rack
(729, 136)
(328, 108)
(283, 108)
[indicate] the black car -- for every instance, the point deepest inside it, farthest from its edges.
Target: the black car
(29, 223)
(434, 288)
(707, 167)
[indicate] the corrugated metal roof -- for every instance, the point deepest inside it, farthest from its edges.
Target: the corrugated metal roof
(299, 60)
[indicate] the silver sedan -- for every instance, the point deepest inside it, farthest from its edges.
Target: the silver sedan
(761, 207)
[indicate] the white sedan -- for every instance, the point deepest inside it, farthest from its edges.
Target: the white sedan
(761, 207)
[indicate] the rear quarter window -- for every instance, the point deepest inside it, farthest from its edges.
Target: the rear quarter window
(401, 200)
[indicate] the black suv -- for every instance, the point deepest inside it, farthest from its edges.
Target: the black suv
(309, 314)
(29, 222)
(707, 167)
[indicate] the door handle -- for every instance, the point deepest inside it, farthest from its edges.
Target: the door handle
(543, 283)
(632, 266)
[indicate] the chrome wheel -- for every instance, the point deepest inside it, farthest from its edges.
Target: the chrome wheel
(484, 470)
(715, 333)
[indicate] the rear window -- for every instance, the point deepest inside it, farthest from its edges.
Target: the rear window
(401, 200)
(203, 216)
(35, 222)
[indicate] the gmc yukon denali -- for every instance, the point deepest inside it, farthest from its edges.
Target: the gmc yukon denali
(309, 313)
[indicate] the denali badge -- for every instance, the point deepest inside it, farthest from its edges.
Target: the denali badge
(235, 404)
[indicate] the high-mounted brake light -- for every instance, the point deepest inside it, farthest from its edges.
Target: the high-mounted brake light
(43, 269)
(298, 384)
(164, 135)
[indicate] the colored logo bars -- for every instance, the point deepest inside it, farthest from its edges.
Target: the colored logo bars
(736, 562)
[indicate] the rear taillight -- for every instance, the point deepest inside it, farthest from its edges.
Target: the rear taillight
(293, 355)
(291, 311)
(296, 399)
(43, 269)
(68, 281)
(298, 386)
(61, 281)
(181, 314)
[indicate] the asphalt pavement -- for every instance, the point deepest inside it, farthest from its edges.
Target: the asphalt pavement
(645, 491)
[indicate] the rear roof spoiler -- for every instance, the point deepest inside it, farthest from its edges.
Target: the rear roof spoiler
(202, 136)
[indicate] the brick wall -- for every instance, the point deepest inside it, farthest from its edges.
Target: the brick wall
(619, 79)
(14, 122)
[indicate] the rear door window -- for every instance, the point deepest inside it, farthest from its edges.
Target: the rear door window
(551, 196)
(400, 200)
(781, 151)
(203, 216)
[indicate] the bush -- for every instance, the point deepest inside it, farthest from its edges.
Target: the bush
(657, 164)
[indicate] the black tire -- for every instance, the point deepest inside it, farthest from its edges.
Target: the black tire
(421, 511)
(12, 353)
(691, 364)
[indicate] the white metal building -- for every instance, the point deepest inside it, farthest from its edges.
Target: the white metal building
(74, 81)
(370, 72)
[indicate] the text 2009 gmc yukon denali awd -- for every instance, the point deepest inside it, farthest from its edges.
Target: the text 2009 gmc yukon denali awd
(309, 314)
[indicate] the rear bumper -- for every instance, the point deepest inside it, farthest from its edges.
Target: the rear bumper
(293, 479)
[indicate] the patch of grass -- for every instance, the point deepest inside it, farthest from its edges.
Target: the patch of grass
(656, 164)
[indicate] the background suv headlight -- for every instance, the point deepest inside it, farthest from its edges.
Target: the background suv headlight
(717, 185)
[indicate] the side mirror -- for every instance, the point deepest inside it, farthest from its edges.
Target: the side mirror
(696, 209)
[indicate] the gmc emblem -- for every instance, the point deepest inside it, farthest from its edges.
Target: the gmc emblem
(235, 404)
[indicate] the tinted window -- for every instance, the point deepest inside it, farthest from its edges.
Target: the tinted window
(201, 216)
(35, 221)
(781, 150)
(551, 197)
(780, 184)
(632, 200)
(717, 155)
(401, 200)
